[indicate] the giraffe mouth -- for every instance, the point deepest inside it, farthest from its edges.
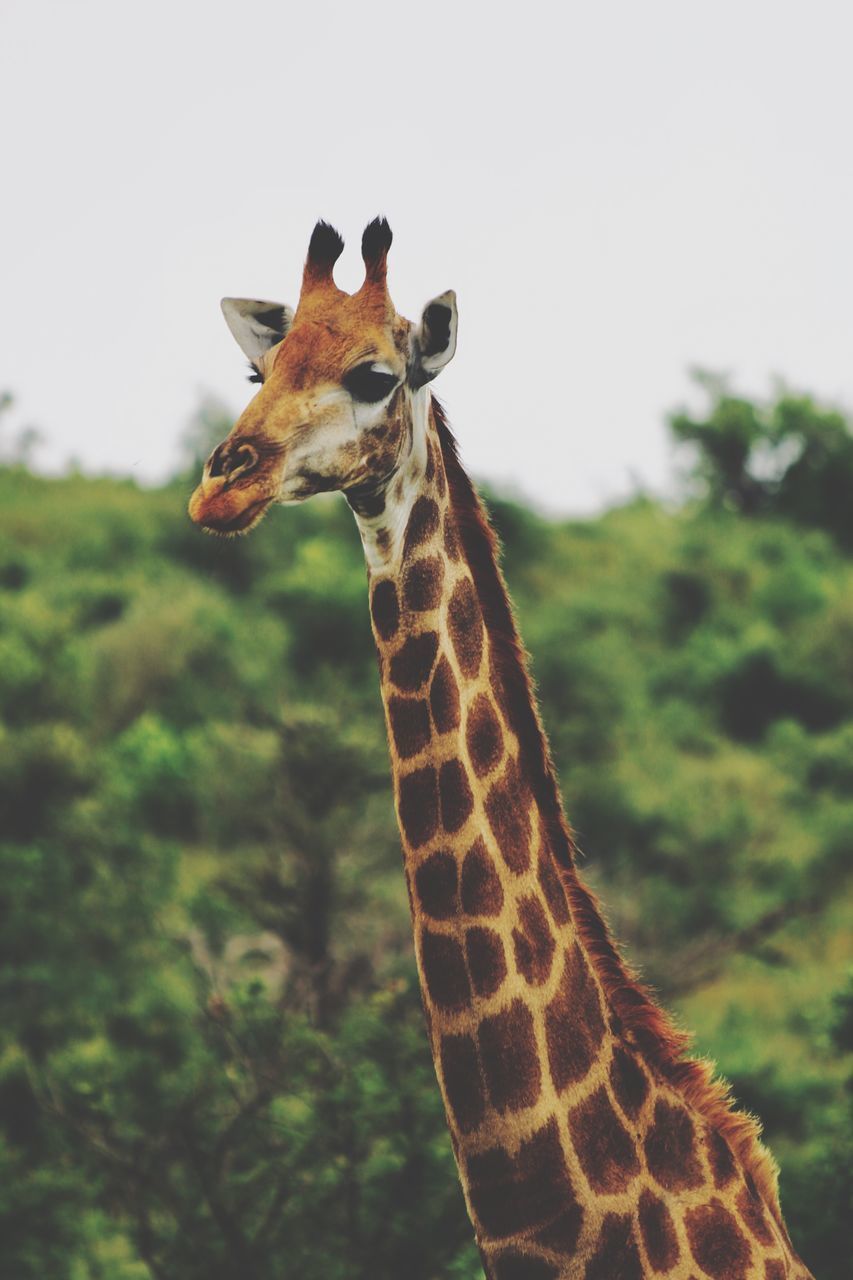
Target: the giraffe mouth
(246, 520)
(221, 519)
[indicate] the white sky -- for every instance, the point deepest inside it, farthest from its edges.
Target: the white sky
(617, 191)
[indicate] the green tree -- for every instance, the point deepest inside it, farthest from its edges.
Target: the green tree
(789, 457)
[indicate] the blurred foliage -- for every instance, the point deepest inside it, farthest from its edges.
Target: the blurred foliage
(212, 1059)
(789, 457)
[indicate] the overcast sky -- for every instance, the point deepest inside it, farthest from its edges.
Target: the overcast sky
(617, 192)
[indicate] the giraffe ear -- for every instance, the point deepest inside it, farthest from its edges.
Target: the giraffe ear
(434, 340)
(256, 325)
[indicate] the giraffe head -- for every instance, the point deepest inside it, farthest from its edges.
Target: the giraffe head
(341, 381)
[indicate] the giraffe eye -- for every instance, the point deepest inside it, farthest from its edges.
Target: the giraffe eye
(369, 385)
(255, 375)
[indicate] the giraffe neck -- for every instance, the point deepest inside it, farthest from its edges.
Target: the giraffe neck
(556, 1108)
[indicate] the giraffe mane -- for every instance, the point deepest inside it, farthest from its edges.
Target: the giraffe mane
(663, 1045)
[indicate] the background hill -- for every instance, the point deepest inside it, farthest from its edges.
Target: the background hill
(212, 1061)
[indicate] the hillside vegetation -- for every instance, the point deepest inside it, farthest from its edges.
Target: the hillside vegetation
(212, 1058)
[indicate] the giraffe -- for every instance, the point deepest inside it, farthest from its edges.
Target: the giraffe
(588, 1143)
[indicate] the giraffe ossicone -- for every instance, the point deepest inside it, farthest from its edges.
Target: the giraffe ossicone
(588, 1144)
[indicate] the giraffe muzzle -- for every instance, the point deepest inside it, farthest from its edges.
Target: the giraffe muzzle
(230, 499)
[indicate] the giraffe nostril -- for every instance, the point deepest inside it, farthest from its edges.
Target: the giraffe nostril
(216, 461)
(230, 462)
(243, 459)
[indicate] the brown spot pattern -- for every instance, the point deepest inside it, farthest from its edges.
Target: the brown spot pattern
(658, 1232)
(509, 1195)
(483, 735)
(465, 622)
(574, 1024)
(411, 665)
(486, 959)
(506, 810)
(482, 892)
(451, 541)
(775, 1270)
(463, 1081)
(509, 1057)
(435, 881)
(716, 1242)
(418, 806)
(385, 609)
(720, 1158)
(498, 688)
(423, 524)
(752, 1214)
(628, 1081)
(422, 584)
(456, 798)
(444, 971)
(552, 887)
(671, 1148)
(616, 1255)
(444, 697)
(440, 479)
(562, 1234)
(533, 943)
(603, 1145)
(410, 730)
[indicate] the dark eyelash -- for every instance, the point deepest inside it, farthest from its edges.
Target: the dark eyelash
(255, 375)
(369, 385)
